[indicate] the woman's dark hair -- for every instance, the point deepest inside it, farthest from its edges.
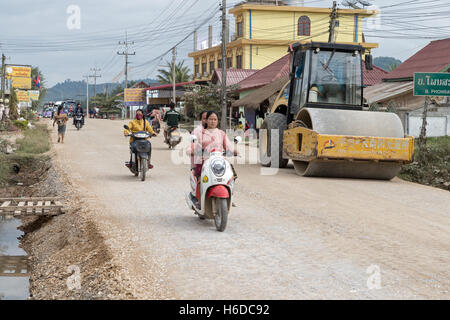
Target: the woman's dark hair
(59, 110)
(208, 114)
(201, 114)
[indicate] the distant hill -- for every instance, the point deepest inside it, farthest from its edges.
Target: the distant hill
(77, 89)
(386, 63)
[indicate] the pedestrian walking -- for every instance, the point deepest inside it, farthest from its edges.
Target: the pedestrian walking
(61, 119)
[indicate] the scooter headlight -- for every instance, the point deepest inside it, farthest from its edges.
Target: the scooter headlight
(218, 167)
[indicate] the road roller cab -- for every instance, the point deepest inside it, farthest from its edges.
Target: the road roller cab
(324, 130)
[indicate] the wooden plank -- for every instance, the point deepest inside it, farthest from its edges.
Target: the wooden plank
(30, 207)
(39, 210)
(6, 204)
(47, 206)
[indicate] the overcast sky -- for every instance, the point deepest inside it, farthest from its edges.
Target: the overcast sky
(36, 32)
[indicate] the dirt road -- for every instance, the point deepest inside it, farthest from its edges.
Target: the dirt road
(288, 238)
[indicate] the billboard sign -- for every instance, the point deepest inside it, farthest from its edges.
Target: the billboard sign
(134, 97)
(33, 94)
(21, 83)
(18, 71)
(22, 96)
(432, 84)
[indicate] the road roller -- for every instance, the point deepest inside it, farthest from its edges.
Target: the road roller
(323, 128)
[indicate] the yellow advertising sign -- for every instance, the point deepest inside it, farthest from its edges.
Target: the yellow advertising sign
(33, 94)
(22, 96)
(16, 71)
(134, 96)
(21, 83)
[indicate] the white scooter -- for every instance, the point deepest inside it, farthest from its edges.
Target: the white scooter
(216, 188)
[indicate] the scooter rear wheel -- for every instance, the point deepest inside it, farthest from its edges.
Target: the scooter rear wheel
(221, 214)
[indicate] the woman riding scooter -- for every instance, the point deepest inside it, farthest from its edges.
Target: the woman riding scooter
(139, 124)
(210, 138)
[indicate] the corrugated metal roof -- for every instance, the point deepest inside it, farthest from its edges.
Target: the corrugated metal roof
(266, 75)
(435, 57)
(234, 76)
(387, 90)
(168, 86)
(374, 76)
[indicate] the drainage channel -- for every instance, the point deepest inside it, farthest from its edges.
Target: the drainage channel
(14, 270)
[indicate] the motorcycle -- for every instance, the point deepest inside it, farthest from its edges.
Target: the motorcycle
(213, 198)
(141, 152)
(173, 137)
(78, 121)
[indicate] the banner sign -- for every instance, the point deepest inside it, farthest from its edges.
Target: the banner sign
(18, 71)
(21, 83)
(432, 84)
(134, 97)
(22, 96)
(33, 95)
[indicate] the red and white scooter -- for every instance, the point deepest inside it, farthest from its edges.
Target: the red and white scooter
(213, 198)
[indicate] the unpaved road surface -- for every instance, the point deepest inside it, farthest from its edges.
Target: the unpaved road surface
(288, 238)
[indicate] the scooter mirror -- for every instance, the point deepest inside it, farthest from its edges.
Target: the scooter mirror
(126, 127)
(194, 138)
(237, 139)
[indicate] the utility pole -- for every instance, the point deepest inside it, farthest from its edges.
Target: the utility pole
(333, 21)
(3, 78)
(126, 54)
(95, 76)
(87, 93)
(174, 75)
(223, 122)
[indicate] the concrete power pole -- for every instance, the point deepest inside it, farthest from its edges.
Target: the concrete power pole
(95, 76)
(174, 75)
(126, 54)
(223, 122)
(87, 93)
(333, 21)
(3, 78)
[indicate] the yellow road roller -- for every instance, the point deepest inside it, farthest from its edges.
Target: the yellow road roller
(323, 129)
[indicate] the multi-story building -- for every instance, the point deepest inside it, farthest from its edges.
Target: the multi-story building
(263, 32)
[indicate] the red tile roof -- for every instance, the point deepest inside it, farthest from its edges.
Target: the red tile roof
(374, 76)
(266, 75)
(435, 57)
(234, 76)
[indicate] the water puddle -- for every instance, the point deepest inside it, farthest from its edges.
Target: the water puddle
(14, 271)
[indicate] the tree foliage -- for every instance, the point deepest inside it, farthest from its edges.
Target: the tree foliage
(13, 112)
(198, 98)
(166, 75)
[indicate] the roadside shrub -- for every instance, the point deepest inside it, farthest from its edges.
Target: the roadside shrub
(22, 125)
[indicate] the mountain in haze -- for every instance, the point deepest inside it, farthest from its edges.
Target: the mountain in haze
(77, 89)
(386, 63)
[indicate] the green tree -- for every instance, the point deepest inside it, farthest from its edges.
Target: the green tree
(166, 75)
(13, 113)
(43, 90)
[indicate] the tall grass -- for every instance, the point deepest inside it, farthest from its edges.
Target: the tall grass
(35, 141)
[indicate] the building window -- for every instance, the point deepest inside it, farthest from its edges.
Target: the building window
(197, 70)
(211, 66)
(239, 29)
(219, 63)
(304, 26)
(204, 68)
(230, 62)
(239, 62)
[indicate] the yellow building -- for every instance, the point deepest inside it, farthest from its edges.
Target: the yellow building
(264, 32)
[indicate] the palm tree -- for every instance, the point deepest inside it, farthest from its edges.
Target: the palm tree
(182, 73)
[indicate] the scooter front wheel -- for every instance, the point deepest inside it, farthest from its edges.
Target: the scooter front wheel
(144, 167)
(221, 214)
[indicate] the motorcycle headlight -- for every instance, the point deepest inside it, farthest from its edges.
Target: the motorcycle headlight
(218, 167)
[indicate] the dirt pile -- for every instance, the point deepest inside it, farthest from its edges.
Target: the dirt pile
(68, 248)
